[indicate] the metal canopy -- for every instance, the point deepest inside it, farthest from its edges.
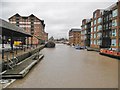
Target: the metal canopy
(9, 29)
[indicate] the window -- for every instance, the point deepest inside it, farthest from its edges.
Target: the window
(85, 32)
(17, 18)
(107, 18)
(84, 37)
(95, 15)
(91, 23)
(94, 22)
(113, 42)
(91, 29)
(17, 23)
(91, 35)
(114, 23)
(94, 29)
(91, 42)
(114, 13)
(99, 42)
(110, 24)
(110, 15)
(99, 34)
(106, 26)
(94, 42)
(94, 35)
(99, 27)
(114, 32)
(99, 20)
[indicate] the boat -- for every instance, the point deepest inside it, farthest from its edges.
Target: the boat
(110, 52)
(50, 44)
(79, 47)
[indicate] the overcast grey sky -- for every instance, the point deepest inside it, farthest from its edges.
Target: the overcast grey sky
(59, 15)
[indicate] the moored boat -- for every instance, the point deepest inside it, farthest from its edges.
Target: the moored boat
(110, 52)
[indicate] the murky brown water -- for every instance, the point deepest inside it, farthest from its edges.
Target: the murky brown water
(66, 67)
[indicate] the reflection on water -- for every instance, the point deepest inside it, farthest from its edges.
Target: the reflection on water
(66, 67)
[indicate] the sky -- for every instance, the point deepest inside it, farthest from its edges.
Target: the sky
(59, 15)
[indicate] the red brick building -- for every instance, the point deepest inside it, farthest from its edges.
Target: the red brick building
(75, 37)
(115, 37)
(105, 28)
(96, 27)
(31, 24)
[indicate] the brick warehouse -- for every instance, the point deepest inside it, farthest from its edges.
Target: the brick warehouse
(105, 28)
(33, 25)
(75, 37)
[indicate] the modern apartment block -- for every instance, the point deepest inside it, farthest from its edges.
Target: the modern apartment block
(105, 28)
(115, 37)
(96, 29)
(75, 36)
(31, 24)
(85, 32)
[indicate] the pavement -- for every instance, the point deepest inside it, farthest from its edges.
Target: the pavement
(21, 69)
(15, 52)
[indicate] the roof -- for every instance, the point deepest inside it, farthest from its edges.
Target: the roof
(75, 30)
(9, 29)
(112, 6)
(26, 17)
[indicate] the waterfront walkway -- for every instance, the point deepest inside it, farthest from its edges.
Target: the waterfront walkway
(17, 52)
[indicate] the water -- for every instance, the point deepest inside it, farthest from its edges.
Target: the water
(66, 67)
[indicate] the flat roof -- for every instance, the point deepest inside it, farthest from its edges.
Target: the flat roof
(8, 29)
(75, 30)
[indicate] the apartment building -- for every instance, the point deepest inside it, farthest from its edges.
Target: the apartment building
(105, 28)
(96, 28)
(31, 24)
(115, 33)
(85, 32)
(75, 36)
